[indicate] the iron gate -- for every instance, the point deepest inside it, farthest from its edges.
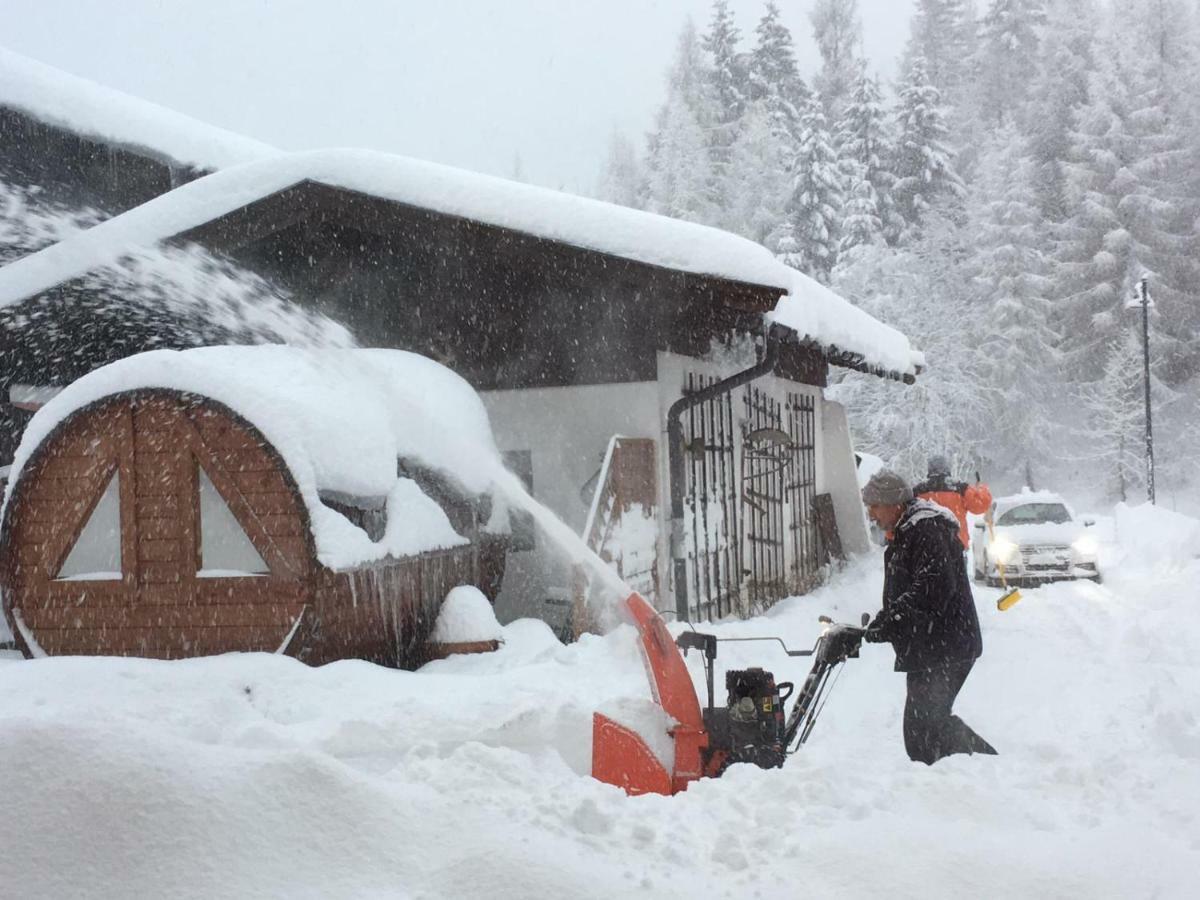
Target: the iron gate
(750, 527)
(801, 489)
(766, 458)
(711, 504)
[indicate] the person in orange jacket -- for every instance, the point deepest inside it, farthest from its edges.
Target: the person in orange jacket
(957, 496)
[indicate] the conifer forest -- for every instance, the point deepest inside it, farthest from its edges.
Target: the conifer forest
(999, 201)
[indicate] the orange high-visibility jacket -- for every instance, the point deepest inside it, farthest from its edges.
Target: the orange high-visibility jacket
(957, 497)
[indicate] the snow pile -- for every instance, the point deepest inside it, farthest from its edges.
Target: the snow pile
(83, 107)
(466, 616)
(1155, 538)
(251, 774)
(340, 419)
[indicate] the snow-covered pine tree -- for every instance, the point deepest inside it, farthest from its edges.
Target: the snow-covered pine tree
(865, 149)
(621, 178)
(679, 178)
(757, 185)
(837, 30)
(1160, 39)
(1116, 416)
(728, 85)
(943, 35)
(1058, 89)
(1129, 183)
(923, 290)
(814, 210)
(774, 76)
(1018, 354)
(1007, 55)
(924, 161)
(861, 223)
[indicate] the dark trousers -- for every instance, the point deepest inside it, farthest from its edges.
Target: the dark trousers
(931, 730)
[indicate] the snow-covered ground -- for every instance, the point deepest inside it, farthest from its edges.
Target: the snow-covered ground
(253, 775)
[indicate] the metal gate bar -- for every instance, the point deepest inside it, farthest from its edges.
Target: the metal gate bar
(765, 458)
(802, 491)
(713, 537)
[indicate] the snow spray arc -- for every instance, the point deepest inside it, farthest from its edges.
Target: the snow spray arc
(557, 531)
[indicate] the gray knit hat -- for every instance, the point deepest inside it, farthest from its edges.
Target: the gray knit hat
(886, 488)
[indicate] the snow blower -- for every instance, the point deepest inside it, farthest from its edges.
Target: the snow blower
(749, 728)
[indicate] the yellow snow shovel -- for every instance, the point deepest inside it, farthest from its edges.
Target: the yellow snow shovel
(1011, 595)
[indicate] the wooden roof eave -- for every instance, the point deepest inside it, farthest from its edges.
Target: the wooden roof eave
(308, 198)
(847, 359)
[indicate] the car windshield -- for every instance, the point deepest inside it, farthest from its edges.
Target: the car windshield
(1035, 514)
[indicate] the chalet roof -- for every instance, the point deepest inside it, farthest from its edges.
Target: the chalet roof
(339, 419)
(86, 108)
(818, 314)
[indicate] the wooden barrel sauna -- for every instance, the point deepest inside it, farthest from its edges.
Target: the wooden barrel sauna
(162, 524)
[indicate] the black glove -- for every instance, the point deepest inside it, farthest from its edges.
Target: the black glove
(874, 633)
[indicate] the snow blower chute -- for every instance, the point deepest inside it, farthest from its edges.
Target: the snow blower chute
(751, 727)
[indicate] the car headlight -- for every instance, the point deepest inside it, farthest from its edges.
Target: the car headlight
(1086, 545)
(1003, 550)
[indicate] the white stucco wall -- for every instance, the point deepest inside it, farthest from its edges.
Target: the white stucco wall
(838, 477)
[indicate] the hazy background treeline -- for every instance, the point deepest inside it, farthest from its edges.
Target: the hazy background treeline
(998, 203)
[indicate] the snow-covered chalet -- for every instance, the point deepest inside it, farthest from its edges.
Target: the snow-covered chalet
(656, 383)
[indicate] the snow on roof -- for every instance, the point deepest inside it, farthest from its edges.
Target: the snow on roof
(840, 327)
(340, 419)
(813, 310)
(580, 221)
(86, 108)
(1028, 496)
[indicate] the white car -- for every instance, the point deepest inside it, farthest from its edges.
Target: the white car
(1037, 538)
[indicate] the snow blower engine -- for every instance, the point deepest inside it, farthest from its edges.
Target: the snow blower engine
(750, 728)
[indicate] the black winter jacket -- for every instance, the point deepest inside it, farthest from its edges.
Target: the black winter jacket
(928, 611)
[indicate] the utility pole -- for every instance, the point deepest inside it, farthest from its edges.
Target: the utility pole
(1142, 298)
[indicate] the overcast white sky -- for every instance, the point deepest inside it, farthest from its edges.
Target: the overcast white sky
(470, 83)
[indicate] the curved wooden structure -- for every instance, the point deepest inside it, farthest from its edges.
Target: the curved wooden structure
(154, 453)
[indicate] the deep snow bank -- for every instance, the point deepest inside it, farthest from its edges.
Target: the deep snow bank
(252, 775)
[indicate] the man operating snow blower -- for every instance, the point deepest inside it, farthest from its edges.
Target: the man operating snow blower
(928, 616)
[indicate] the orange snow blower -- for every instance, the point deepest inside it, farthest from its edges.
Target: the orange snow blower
(751, 727)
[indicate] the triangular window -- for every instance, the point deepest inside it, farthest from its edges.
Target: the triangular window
(225, 548)
(96, 555)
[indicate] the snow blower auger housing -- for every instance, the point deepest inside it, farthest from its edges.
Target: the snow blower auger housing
(751, 727)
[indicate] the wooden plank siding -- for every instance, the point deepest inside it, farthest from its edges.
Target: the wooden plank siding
(157, 441)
